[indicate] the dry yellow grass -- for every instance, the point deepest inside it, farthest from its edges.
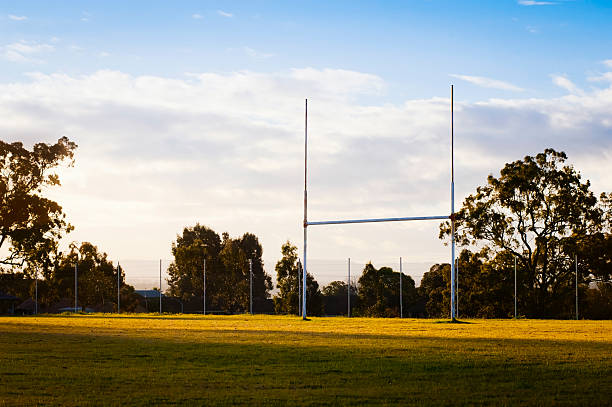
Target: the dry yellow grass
(184, 359)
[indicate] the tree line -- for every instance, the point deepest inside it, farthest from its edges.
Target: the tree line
(538, 214)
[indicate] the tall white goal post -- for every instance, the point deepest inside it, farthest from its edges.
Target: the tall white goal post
(307, 223)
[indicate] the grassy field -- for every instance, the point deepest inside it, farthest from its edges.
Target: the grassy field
(275, 360)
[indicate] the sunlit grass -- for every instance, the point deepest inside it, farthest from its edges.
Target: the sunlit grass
(184, 359)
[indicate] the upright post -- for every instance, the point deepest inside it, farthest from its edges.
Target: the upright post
(453, 314)
(204, 289)
(348, 293)
(76, 277)
(457, 286)
(160, 290)
(401, 299)
(576, 286)
(299, 287)
(36, 294)
(118, 288)
(304, 272)
(515, 302)
(251, 287)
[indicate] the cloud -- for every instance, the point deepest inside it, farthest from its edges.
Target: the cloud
(488, 82)
(563, 82)
(197, 16)
(157, 154)
(608, 63)
(17, 18)
(103, 54)
(225, 14)
(256, 54)
(536, 3)
(25, 51)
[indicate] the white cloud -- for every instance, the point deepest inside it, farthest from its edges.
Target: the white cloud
(17, 18)
(536, 3)
(488, 82)
(608, 63)
(563, 82)
(103, 54)
(25, 51)
(156, 154)
(256, 54)
(197, 16)
(225, 14)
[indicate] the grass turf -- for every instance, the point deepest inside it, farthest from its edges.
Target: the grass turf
(276, 360)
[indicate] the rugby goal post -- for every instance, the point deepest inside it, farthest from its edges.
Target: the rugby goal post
(307, 223)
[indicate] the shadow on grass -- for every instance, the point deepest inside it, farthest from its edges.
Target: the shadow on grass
(102, 368)
(454, 321)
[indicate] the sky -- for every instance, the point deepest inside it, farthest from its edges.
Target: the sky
(194, 112)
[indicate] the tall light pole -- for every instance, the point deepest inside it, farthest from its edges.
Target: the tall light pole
(160, 290)
(400, 290)
(348, 293)
(36, 294)
(576, 286)
(118, 288)
(251, 286)
(299, 286)
(76, 278)
(515, 301)
(204, 286)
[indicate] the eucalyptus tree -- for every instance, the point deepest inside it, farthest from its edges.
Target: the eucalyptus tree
(540, 211)
(31, 224)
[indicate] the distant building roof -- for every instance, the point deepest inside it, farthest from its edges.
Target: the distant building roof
(148, 293)
(27, 305)
(5, 296)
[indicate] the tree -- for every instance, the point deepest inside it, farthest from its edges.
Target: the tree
(435, 290)
(537, 211)
(486, 285)
(96, 277)
(379, 292)
(227, 269)
(262, 282)
(30, 224)
(186, 273)
(287, 269)
(335, 297)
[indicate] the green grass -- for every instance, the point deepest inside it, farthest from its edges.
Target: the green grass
(271, 360)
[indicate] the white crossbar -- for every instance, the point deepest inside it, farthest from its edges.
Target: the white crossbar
(410, 218)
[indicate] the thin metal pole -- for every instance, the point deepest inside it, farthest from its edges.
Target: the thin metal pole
(76, 277)
(299, 287)
(36, 294)
(457, 286)
(160, 290)
(118, 288)
(515, 301)
(576, 286)
(348, 294)
(304, 272)
(251, 286)
(401, 298)
(452, 198)
(204, 289)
